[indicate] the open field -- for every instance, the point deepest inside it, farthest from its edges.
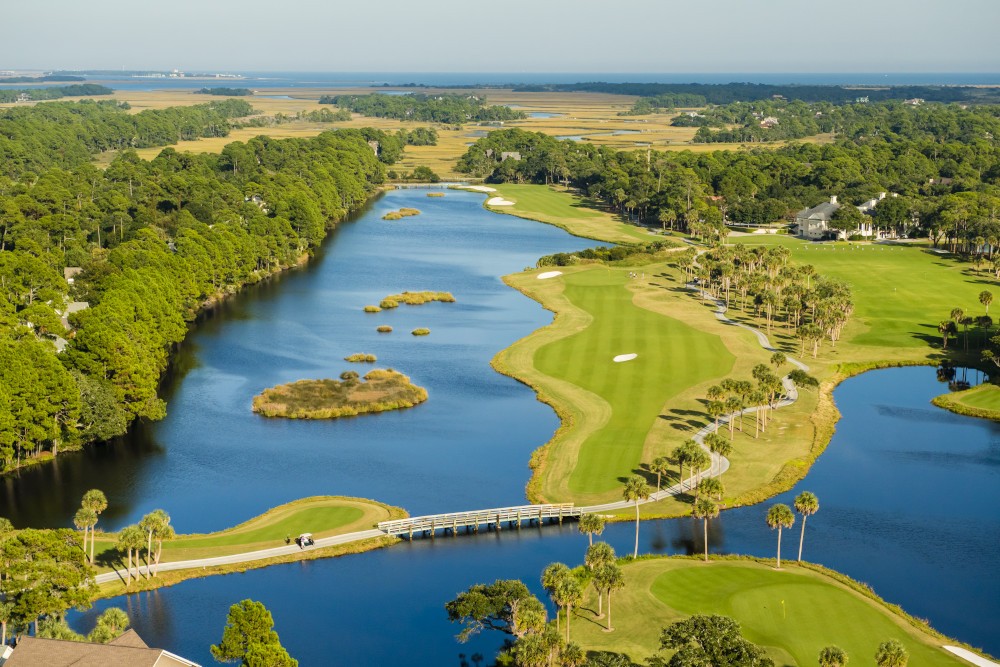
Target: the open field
(792, 613)
(592, 116)
(563, 208)
(323, 516)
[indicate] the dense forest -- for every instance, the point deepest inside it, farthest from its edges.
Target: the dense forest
(225, 92)
(451, 109)
(66, 134)
(8, 95)
(726, 93)
(147, 244)
(943, 162)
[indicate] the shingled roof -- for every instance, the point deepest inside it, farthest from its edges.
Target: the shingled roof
(126, 651)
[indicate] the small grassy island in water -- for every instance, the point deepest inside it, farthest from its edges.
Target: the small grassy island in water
(400, 214)
(415, 299)
(378, 391)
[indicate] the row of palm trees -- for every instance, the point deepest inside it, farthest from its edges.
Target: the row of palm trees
(890, 653)
(136, 539)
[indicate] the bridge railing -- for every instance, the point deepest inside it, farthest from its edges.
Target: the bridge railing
(495, 515)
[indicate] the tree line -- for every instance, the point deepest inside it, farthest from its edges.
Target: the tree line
(155, 242)
(225, 92)
(447, 108)
(943, 162)
(8, 95)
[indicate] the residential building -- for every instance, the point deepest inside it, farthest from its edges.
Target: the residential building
(126, 651)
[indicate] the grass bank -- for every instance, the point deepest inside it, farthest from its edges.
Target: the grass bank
(982, 401)
(792, 613)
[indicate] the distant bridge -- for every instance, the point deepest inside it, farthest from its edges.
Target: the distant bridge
(491, 519)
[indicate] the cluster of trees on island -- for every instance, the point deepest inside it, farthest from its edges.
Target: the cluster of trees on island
(8, 95)
(943, 162)
(449, 108)
(154, 242)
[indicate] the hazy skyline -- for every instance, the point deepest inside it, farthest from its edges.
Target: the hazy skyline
(518, 35)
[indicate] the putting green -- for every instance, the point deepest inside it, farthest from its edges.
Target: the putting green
(792, 613)
(672, 357)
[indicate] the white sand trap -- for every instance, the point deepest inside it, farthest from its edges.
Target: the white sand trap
(941, 252)
(970, 656)
(549, 274)
(624, 357)
(499, 201)
(478, 188)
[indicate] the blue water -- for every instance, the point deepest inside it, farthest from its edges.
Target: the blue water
(335, 79)
(908, 496)
(212, 463)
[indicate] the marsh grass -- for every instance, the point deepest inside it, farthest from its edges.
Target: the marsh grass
(421, 332)
(372, 309)
(400, 214)
(416, 298)
(435, 194)
(380, 390)
(360, 358)
(385, 328)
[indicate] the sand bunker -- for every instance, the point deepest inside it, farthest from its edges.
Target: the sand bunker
(549, 274)
(478, 188)
(970, 656)
(499, 201)
(624, 357)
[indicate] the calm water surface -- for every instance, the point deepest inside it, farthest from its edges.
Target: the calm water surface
(908, 493)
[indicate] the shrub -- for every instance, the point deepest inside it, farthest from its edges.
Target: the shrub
(388, 303)
(372, 309)
(360, 358)
(348, 376)
(385, 328)
(420, 332)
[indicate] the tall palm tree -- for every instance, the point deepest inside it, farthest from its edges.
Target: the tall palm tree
(718, 445)
(891, 653)
(96, 501)
(986, 298)
(150, 524)
(710, 487)
(660, 466)
(568, 593)
(591, 524)
(552, 576)
(636, 490)
(83, 520)
(131, 539)
(698, 460)
(680, 457)
(832, 656)
(598, 556)
(780, 516)
(611, 579)
(164, 531)
(806, 504)
(705, 509)
(734, 406)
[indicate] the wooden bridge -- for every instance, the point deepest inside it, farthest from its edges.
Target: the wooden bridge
(492, 519)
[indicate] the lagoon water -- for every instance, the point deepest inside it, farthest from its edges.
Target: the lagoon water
(908, 493)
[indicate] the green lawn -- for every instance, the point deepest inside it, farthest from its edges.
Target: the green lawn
(984, 397)
(793, 613)
(673, 357)
(901, 293)
(566, 210)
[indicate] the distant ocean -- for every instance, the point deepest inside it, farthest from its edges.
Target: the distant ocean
(361, 79)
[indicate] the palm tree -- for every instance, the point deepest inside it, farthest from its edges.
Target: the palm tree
(715, 410)
(705, 509)
(778, 359)
(986, 298)
(130, 539)
(568, 593)
(947, 329)
(660, 466)
(710, 487)
(164, 531)
(680, 457)
(806, 504)
(610, 578)
(598, 556)
(832, 656)
(698, 459)
(552, 575)
(151, 524)
(780, 516)
(96, 501)
(591, 524)
(734, 406)
(636, 489)
(84, 519)
(891, 653)
(718, 445)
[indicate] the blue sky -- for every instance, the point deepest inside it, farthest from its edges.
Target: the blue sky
(509, 36)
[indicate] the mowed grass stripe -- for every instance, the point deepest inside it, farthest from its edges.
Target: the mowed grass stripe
(673, 356)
